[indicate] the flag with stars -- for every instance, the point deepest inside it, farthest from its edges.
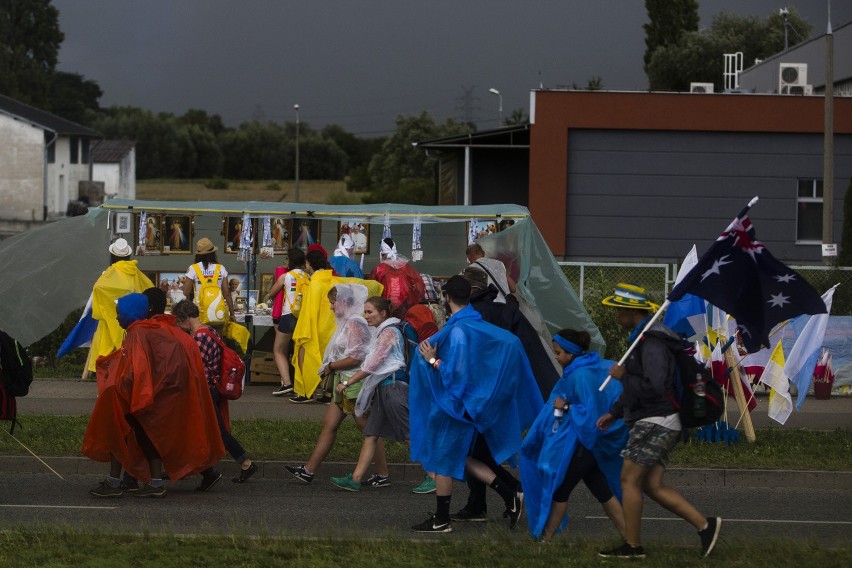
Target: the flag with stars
(739, 275)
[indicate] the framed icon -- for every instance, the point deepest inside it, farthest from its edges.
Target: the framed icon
(305, 232)
(151, 241)
(252, 300)
(233, 228)
(123, 222)
(505, 224)
(267, 279)
(172, 284)
(360, 233)
(280, 234)
(177, 230)
(483, 229)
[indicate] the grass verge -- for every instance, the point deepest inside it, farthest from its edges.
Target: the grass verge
(74, 547)
(294, 440)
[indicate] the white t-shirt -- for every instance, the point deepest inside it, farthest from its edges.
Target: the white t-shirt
(289, 290)
(211, 268)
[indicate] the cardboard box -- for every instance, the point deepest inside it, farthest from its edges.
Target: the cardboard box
(263, 362)
(259, 378)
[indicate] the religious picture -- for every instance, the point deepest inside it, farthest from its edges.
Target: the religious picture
(151, 243)
(305, 232)
(280, 234)
(505, 224)
(172, 284)
(267, 279)
(238, 285)
(122, 222)
(252, 300)
(482, 229)
(178, 234)
(360, 233)
(233, 231)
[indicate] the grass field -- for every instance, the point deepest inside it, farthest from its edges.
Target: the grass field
(310, 191)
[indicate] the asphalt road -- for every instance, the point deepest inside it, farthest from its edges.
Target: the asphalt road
(277, 507)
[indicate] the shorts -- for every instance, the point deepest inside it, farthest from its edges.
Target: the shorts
(650, 444)
(388, 417)
(287, 323)
(583, 467)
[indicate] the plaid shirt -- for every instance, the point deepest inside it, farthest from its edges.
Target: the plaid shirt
(431, 292)
(211, 356)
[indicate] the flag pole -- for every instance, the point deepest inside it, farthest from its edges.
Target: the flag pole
(739, 396)
(44, 463)
(636, 341)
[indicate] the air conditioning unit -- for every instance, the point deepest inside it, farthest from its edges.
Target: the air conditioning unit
(792, 75)
(799, 90)
(701, 87)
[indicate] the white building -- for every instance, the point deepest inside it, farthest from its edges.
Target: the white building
(114, 164)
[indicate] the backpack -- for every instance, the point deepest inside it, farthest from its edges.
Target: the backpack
(211, 304)
(16, 367)
(302, 283)
(232, 369)
(409, 336)
(16, 376)
(698, 398)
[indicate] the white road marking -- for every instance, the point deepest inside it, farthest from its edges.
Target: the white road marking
(729, 520)
(55, 507)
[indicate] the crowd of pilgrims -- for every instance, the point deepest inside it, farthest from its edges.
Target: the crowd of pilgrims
(458, 372)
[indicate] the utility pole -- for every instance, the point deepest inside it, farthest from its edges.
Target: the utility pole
(828, 150)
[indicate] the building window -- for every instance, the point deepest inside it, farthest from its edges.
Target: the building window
(74, 144)
(809, 211)
(50, 142)
(85, 151)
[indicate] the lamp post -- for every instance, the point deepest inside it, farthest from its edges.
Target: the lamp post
(494, 91)
(296, 108)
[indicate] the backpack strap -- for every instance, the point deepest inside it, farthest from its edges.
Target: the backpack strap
(198, 272)
(493, 280)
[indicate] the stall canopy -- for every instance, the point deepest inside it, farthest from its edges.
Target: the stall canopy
(49, 271)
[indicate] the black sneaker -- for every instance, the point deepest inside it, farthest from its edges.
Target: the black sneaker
(516, 511)
(324, 399)
(282, 390)
(209, 480)
(710, 535)
(245, 474)
(377, 480)
(300, 473)
(104, 489)
(433, 525)
(623, 551)
(299, 399)
(129, 485)
(465, 515)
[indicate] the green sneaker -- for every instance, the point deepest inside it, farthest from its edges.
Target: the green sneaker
(428, 486)
(346, 483)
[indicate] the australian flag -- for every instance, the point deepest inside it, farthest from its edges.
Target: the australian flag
(739, 275)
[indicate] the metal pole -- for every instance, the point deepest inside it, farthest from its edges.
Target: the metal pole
(297, 152)
(828, 145)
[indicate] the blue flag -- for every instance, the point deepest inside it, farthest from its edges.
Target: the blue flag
(82, 333)
(739, 275)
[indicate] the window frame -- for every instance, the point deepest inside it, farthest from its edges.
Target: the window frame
(816, 196)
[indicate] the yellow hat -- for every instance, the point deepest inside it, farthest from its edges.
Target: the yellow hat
(631, 297)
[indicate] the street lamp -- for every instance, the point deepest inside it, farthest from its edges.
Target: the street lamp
(494, 91)
(296, 107)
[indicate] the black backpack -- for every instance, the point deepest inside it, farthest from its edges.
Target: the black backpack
(698, 398)
(16, 375)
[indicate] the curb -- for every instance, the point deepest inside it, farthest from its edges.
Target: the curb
(413, 473)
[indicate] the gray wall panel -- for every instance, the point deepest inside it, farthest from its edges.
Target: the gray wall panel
(651, 195)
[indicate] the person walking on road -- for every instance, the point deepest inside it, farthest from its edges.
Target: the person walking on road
(649, 410)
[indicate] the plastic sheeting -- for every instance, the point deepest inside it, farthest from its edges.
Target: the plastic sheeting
(838, 340)
(48, 272)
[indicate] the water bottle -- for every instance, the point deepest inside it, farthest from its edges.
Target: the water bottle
(700, 402)
(558, 415)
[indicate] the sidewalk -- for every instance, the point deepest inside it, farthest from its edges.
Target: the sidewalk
(73, 397)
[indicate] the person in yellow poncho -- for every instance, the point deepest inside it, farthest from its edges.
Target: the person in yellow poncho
(121, 278)
(316, 325)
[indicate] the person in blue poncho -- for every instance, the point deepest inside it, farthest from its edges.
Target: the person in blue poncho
(473, 379)
(341, 260)
(564, 445)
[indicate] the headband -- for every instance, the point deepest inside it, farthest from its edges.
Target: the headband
(568, 346)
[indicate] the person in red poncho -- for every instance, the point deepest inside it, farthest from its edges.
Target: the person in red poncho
(155, 386)
(403, 285)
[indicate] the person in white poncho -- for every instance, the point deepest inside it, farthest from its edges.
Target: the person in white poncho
(384, 392)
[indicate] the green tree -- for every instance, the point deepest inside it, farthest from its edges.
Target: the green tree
(518, 116)
(698, 55)
(668, 21)
(73, 97)
(29, 47)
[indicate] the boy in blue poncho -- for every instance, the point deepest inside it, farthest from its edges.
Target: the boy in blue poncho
(564, 446)
(473, 379)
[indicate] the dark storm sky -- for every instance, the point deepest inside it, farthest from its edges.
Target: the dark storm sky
(360, 63)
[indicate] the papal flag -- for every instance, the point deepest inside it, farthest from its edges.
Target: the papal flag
(780, 403)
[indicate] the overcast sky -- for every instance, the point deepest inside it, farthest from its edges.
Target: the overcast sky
(360, 63)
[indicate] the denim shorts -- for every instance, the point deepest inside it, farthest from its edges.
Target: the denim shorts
(650, 444)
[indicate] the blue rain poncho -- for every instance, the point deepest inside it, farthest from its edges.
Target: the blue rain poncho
(483, 384)
(545, 453)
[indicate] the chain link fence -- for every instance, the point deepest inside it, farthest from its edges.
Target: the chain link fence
(593, 281)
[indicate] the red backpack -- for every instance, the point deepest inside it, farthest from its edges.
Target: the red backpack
(232, 369)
